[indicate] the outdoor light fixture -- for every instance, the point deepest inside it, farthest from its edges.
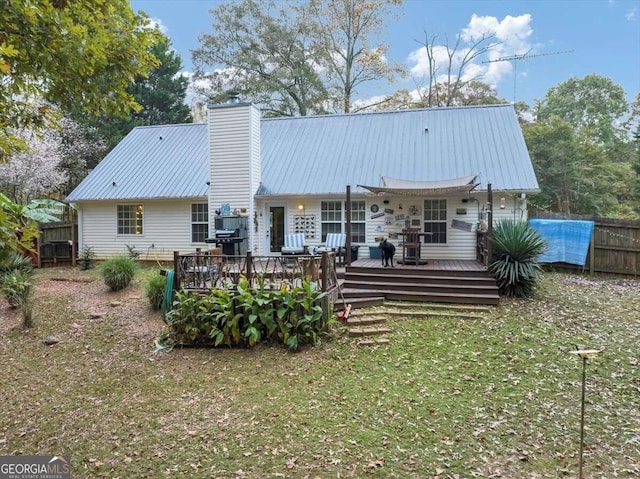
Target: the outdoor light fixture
(584, 354)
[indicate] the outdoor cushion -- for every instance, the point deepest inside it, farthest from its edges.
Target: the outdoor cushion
(294, 244)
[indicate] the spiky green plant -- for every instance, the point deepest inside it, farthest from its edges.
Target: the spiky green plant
(516, 247)
(117, 272)
(154, 290)
(17, 286)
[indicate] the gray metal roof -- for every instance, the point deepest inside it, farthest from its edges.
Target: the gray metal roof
(322, 154)
(167, 161)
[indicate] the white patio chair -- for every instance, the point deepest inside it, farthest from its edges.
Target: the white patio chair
(294, 244)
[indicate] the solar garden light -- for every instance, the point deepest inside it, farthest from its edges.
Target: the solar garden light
(584, 354)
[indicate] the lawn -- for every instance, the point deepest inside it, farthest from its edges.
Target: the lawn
(449, 398)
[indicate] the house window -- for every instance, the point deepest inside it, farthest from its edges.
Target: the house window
(199, 222)
(330, 218)
(358, 222)
(435, 221)
(130, 219)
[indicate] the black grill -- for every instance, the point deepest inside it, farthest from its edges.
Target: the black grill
(228, 239)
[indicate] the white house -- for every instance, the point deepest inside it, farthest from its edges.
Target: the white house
(168, 188)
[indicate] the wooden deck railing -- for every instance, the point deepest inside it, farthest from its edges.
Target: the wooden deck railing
(202, 271)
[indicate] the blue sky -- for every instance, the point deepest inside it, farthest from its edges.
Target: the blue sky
(602, 35)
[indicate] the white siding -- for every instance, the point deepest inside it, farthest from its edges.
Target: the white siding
(234, 160)
(166, 228)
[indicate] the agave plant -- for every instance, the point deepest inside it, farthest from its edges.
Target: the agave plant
(516, 247)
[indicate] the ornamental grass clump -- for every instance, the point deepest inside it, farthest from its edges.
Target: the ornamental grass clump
(516, 247)
(17, 286)
(118, 272)
(154, 290)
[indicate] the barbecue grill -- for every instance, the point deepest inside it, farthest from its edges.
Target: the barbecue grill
(227, 239)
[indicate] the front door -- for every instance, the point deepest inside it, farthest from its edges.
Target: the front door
(276, 228)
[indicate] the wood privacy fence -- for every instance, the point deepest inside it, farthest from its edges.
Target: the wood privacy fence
(615, 245)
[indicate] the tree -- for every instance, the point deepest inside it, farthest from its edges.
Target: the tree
(307, 58)
(266, 54)
(33, 172)
(160, 94)
(60, 51)
(349, 44)
(594, 103)
(452, 73)
(573, 171)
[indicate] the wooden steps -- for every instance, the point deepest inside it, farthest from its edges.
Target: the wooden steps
(420, 285)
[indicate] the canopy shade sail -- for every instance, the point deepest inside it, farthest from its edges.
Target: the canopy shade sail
(394, 186)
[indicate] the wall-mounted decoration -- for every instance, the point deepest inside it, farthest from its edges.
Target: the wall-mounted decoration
(388, 211)
(399, 217)
(305, 224)
(393, 235)
(415, 222)
(461, 225)
(388, 221)
(225, 209)
(378, 229)
(377, 215)
(375, 208)
(461, 211)
(413, 210)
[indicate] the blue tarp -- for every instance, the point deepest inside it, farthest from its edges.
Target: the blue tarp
(568, 240)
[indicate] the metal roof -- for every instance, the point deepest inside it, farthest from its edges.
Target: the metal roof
(166, 161)
(318, 155)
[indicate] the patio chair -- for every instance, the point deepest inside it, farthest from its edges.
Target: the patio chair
(335, 242)
(294, 244)
(411, 246)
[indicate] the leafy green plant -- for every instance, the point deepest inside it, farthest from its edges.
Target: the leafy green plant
(87, 256)
(516, 247)
(117, 272)
(15, 271)
(132, 252)
(154, 290)
(247, 316)
(17, 285)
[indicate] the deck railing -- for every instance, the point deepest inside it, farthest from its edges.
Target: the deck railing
(202, 271)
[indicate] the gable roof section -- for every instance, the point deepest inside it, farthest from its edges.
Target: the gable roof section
(166, 161)
(322, 154)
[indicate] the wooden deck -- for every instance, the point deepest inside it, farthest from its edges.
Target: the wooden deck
(434, 264)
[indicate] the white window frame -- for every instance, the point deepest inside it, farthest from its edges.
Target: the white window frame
(201, 212)
(434, 216)
(333, 220)
(127, 225)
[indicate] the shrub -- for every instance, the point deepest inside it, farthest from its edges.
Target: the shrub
(85, 261)
(516, 247)
(155, 290)
(17, 286)
(14, 270)
(117, 272)
(247, 316)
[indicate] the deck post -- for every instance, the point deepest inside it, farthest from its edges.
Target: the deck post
(347, 253)
(489, 224)
(249, 268)
(176, 274)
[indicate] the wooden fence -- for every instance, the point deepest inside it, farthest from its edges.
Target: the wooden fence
(57, 244)
(615, 245)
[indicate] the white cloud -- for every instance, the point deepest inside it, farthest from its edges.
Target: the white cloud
(631, 14)
(157, 23)
(512, 36)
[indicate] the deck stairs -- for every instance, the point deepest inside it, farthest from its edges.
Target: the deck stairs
(366, 286)
(368, 326)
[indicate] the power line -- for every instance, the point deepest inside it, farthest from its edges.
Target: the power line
(524, 56)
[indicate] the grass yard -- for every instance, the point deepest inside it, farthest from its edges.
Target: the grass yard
(489, 398)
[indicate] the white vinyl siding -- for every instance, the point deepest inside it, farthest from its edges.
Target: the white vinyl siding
(167, 228)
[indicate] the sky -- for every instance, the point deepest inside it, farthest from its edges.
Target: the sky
(562, 38)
